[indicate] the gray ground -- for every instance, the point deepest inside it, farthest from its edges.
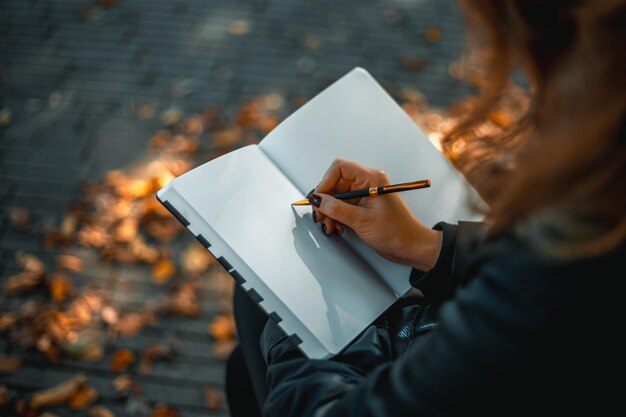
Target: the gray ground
(73, 74)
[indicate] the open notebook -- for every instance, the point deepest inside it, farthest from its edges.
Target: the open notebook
(323, 291)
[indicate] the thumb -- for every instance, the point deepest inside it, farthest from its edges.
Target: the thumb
(339, 210)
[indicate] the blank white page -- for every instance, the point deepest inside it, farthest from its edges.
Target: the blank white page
(246, 200)
(357, 120)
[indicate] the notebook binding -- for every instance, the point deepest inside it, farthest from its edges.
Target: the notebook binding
(228, 267)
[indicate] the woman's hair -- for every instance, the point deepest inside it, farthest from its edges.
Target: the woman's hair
(568, 148)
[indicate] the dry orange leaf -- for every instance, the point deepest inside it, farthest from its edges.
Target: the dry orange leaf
(412, 63)
(7, 321)
(23, 282)
(195, 259)
(84, 397)
(155, 352)
(222, 349)
(194, 125)
(227, 137)
(182, 301)
(213, 399)
(93, 352)
(9, 364)
(163, 271)
(70, 262)
(433, 34)
(30, 263)
(20, 218)
(99, 411)
(122, 359)
(222, 327)
(130, 324)
(126, 230)
(59, 394)
(162, 410)
(146, 111)
(60, 287)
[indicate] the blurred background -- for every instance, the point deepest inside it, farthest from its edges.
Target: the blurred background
(107, 306)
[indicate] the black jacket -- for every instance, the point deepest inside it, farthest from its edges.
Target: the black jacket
(519, 334)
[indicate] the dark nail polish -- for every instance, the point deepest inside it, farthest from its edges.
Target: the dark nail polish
(315, 199)
(315, 217)
(336, 232)
(310, 192)
(324, 228)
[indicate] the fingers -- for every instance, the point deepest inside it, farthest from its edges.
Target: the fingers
(329, 208)
(345, 175)
(328, 225)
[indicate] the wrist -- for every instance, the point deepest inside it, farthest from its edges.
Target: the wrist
(425, 247)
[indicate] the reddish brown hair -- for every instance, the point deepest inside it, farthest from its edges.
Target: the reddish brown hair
(570, 143)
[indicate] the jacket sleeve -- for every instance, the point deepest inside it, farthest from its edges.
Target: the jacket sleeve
(459, 243)
(481, 332)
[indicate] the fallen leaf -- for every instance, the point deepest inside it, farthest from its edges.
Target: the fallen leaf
(194, 125)
(123, 384)
(130, 324)
(155, 352)
(50, 350)
(99, 411)
(164, 230)
(69, 262)
(7, 321)
(222, 327)
(126, 230)
(160, 139)
(433, 34)
(227, 137)
(146, 111)
(23, 282)
(93, 352)
(412, 63)
(163, 271)
(222, 349)
(122, 359)
(59, 394)
(109, 315)
(162, 410)
(30, 263)
(60, 287)
(84, 397)
(195, 259)
(20, 218)
(93, 235)
(9, 364)
(213, 399)
(181, 301)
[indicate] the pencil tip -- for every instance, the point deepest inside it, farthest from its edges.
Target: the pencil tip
(301, 203)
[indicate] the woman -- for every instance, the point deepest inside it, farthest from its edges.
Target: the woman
(525, 302)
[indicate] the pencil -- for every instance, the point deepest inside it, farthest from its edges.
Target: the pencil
(374, 191)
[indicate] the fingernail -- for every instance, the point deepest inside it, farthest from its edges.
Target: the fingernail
(324, 228)
(310, 192)
(315, 217)
(315, 199)
(336, 232)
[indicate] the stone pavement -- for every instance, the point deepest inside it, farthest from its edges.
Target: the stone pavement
(75, 73)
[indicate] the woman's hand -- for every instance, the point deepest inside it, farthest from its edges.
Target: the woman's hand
(384, 223)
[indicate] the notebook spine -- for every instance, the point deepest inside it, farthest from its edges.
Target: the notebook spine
(228, 267)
